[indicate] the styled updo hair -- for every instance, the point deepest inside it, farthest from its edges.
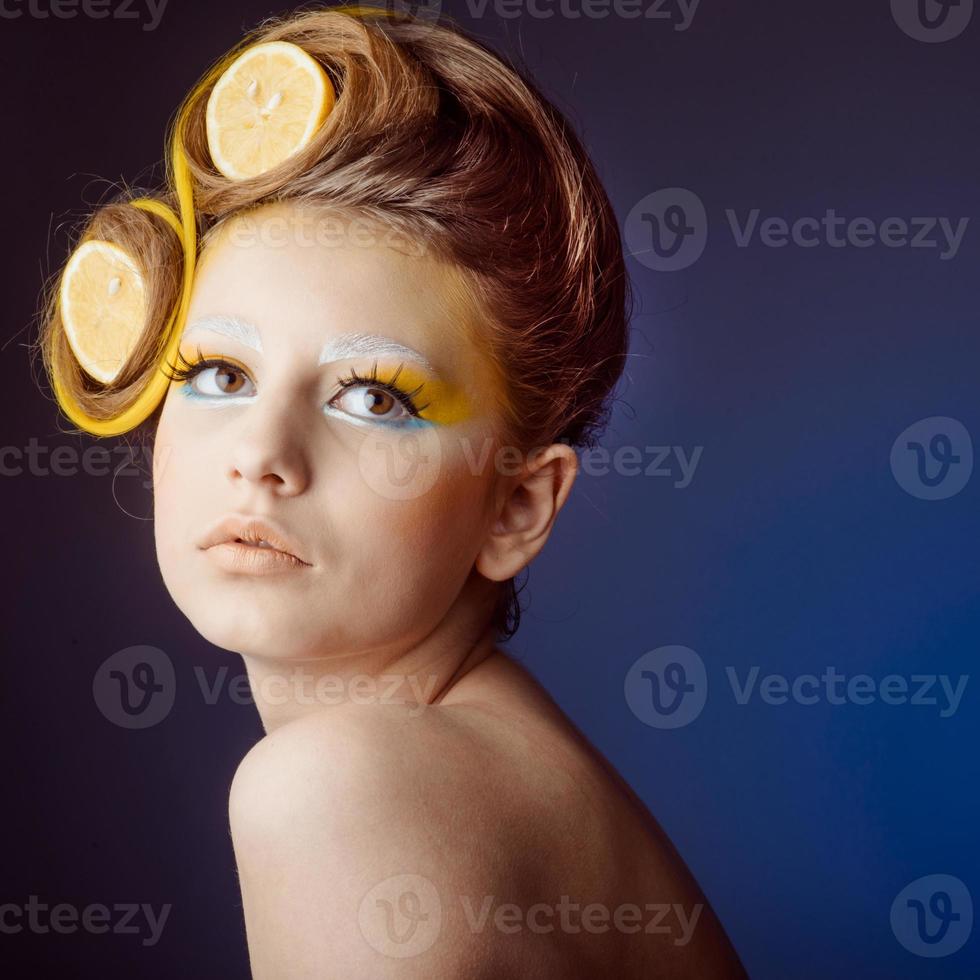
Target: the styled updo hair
(436, 137)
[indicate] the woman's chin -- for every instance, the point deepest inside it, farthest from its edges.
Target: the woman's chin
(270, 635)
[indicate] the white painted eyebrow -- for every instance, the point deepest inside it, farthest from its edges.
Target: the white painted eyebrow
(341, 347)
(363, 344)
(229, 326)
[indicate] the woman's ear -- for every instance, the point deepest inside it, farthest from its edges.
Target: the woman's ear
(527, 512)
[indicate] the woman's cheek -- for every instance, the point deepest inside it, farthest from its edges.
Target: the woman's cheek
(437, 461)
(414, 487)
(447, 523)
(401, 466)
(177, 501)
(165, 511)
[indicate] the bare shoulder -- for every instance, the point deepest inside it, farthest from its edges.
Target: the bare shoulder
(474, 838)
(359, 834)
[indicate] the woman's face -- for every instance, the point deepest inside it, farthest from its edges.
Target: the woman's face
(374, 478)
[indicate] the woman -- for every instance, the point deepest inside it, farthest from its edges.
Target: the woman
(365, 387)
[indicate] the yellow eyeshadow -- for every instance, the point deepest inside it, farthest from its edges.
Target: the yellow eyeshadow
(445, 403)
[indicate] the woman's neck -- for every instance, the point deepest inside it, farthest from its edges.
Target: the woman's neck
(417, 676)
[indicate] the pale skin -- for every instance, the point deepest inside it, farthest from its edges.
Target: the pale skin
(410, 769)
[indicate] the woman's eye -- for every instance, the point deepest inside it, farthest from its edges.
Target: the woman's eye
(366, 402)
(221, 380)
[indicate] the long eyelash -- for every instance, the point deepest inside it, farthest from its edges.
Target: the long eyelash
(184, 370)
(406, 398)
(181, 368)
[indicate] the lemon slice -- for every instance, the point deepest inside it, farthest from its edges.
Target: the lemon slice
(103, 307)
(266, 106)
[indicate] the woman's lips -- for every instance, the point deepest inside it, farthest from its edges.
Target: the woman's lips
(252, 559)
(252, 544)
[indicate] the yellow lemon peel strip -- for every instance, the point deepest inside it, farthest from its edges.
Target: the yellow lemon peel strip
(185, 226)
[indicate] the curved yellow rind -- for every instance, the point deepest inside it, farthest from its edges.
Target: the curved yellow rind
(156, 388)
(185, 226)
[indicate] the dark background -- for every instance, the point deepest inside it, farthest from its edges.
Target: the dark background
(793, 548)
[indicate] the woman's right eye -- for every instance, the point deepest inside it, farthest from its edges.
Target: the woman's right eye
(219, 380)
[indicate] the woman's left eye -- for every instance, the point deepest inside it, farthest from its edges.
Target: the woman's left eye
(371, 402)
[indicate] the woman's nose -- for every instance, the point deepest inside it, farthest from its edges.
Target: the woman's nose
(269, 450)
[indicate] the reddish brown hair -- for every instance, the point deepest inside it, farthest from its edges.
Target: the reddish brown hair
(436, 136)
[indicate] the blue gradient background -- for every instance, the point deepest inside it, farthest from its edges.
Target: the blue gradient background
(793, 548)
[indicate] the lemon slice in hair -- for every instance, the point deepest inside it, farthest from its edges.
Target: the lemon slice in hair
(103, 307)
(267, 105)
